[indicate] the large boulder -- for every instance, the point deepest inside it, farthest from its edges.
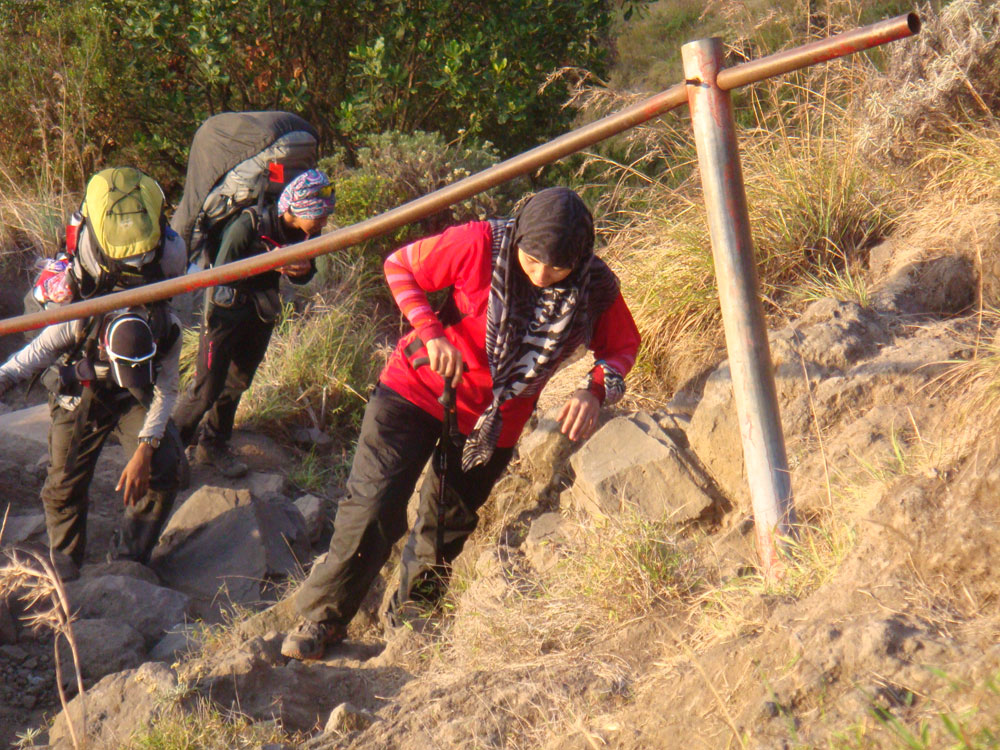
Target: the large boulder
(631, 463)
(224, 547)
(20, 529)
(837, 361)
(148, 608)
(118, 707)
(29, 428)
(104, 646)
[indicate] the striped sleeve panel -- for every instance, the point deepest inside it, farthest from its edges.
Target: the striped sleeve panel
(409, 296)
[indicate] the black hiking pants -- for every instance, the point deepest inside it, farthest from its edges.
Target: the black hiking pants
(232, 346)
(65, 492)
(396, 440)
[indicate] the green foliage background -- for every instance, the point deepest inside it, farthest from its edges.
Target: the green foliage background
(87, 81)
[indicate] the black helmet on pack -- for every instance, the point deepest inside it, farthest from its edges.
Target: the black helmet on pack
(130, 347)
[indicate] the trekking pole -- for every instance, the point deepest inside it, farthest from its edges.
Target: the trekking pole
(448, 427)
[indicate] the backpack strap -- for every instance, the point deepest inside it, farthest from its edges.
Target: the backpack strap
(86, 347)
(165, 330)
(79, 421)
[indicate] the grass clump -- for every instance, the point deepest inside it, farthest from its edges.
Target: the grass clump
(606, 578)
(732, 607)
(962, 714)
(320, 362)
(207, 728)
(814, 212)
(31, 223)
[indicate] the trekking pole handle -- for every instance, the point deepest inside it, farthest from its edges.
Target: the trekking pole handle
(447, 397)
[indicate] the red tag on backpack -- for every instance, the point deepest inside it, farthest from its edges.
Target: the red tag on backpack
(72, 234)
(276, 172)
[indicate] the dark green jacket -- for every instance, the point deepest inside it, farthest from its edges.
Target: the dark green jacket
(250, 234)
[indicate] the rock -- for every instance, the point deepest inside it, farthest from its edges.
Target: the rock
(545, 448)
(832, 334)
(309, 437)
(204, 505)
(15, 653)
(19, 529)
(227, 542)
(178, 641)
(127, 568)
(548, 535)
(265, 486)
(715, 439)
(28, 426)
(852, 364)
(314, 513)
(345, 719)
(149, 609)
(10, 470)
(117, 707)
(8, 628)
(942, 286)
(298, 695)
(631, 462)
(104, 646)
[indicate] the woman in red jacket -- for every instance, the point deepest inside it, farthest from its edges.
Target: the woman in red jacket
(525, 294)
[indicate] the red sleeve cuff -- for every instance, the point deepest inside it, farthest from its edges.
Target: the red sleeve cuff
(596, 385)
(430, 330)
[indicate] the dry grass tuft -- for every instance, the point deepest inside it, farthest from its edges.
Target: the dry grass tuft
(31, 222)
(321, 360)
(947, 74)
(609, 578)
(31, 576)
(206, 727)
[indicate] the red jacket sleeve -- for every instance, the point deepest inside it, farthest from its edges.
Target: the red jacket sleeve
(450, 258)
(615, 344)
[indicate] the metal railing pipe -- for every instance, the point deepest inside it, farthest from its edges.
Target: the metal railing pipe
(566, 144)
(739, 297)
(821, 50)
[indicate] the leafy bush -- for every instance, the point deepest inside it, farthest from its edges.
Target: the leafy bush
(88, 80)
(394, 168)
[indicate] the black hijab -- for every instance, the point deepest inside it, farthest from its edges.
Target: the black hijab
(531, 330)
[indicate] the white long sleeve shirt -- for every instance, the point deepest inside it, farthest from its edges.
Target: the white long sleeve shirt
(60, 338)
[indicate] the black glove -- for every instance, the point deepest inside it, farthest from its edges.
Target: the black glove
(5, 385)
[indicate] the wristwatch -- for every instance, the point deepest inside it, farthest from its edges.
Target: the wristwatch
(152, 442)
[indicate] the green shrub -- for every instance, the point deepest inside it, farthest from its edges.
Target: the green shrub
(394, 168)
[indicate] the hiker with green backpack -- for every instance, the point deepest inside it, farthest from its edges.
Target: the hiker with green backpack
(113, 373)
(239, 318)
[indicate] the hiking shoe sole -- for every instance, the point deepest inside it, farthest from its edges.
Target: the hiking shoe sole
(310, 640)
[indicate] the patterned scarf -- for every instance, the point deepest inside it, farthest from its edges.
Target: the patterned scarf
(530, 331)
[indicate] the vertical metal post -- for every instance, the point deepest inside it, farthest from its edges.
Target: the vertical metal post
(739, 295)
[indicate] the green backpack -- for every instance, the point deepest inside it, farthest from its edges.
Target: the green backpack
(117, 236)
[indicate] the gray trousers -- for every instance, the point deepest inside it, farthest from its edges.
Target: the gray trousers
(65, 492)
(396, 440)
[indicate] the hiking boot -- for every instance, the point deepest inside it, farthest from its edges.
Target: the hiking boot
(308, 640)
(220, 457)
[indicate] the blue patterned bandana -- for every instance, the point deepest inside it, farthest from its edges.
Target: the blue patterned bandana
(309, 196)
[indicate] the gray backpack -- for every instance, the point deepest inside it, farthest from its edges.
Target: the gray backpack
(238, 160)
